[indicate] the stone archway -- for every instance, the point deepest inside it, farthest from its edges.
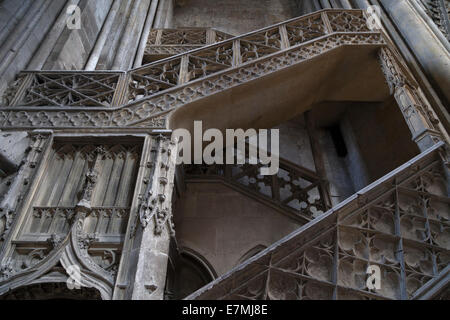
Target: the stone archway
(191, 273)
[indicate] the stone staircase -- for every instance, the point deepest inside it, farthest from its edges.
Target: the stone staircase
(145, 97)
(294, 191)
(399, 223)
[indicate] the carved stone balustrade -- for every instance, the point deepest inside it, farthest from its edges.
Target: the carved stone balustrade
(299, 192)
(400, 223)
(145, 96)
(439, 12)
(163, 43)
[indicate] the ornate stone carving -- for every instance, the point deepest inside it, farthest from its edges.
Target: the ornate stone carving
(295, 189)
(6, 270)
(160, 87)
(19, 188)
(65, 89)
(168, 42)
(412, 102)
(439, 11)
(329, 259)
(156, 205)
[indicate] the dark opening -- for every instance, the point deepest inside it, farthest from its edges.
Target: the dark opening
(338, 140)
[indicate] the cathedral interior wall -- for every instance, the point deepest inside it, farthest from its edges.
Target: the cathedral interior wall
(233, 16)
(222, 224)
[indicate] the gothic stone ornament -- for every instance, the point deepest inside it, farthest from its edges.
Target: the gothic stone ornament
(401, 228)
(12, 201)
(152, 91)
(415, 108)
(156, 205)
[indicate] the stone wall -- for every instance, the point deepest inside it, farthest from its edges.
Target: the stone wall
(295, 143)
(233, 16)
(73, 47)
(223, 225)
(35, 36)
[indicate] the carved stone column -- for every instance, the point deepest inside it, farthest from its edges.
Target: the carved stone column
(419, 115)
(13, 200)
(429, 50)
(142, 272)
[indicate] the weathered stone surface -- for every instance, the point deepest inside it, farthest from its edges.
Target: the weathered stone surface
(94, 191)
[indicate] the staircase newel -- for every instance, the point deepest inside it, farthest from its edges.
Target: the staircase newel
(326, 22)
(22, 86)
(183, 76)
(237, 59)
(210, 36)
(120, 95)
(284, 37)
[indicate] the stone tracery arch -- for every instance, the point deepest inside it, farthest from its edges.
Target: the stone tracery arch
(70, 252)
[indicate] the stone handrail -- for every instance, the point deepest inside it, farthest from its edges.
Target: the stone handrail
(295, 191)
(141, 97)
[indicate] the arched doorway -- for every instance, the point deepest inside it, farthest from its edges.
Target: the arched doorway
(190, 274)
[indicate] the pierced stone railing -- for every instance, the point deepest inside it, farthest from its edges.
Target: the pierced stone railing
(400, 224)
(144, 96)
(67, 89)
(164, 43)
(297, 191)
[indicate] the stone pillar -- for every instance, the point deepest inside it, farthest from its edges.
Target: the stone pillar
(145, 33)
(346, 4)
(104, 34)
(16, 39)
(420, 117)
(163, 15)
(143, 267)
(427, 48)
(325, 4)
(122, 51)
(51, 38)
(361, 4)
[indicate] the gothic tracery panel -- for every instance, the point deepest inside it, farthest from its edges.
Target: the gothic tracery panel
(390, 226)
(102, 174)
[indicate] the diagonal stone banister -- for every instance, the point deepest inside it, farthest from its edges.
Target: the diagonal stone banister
(399, 224)
(294, 191)
(144, 97)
